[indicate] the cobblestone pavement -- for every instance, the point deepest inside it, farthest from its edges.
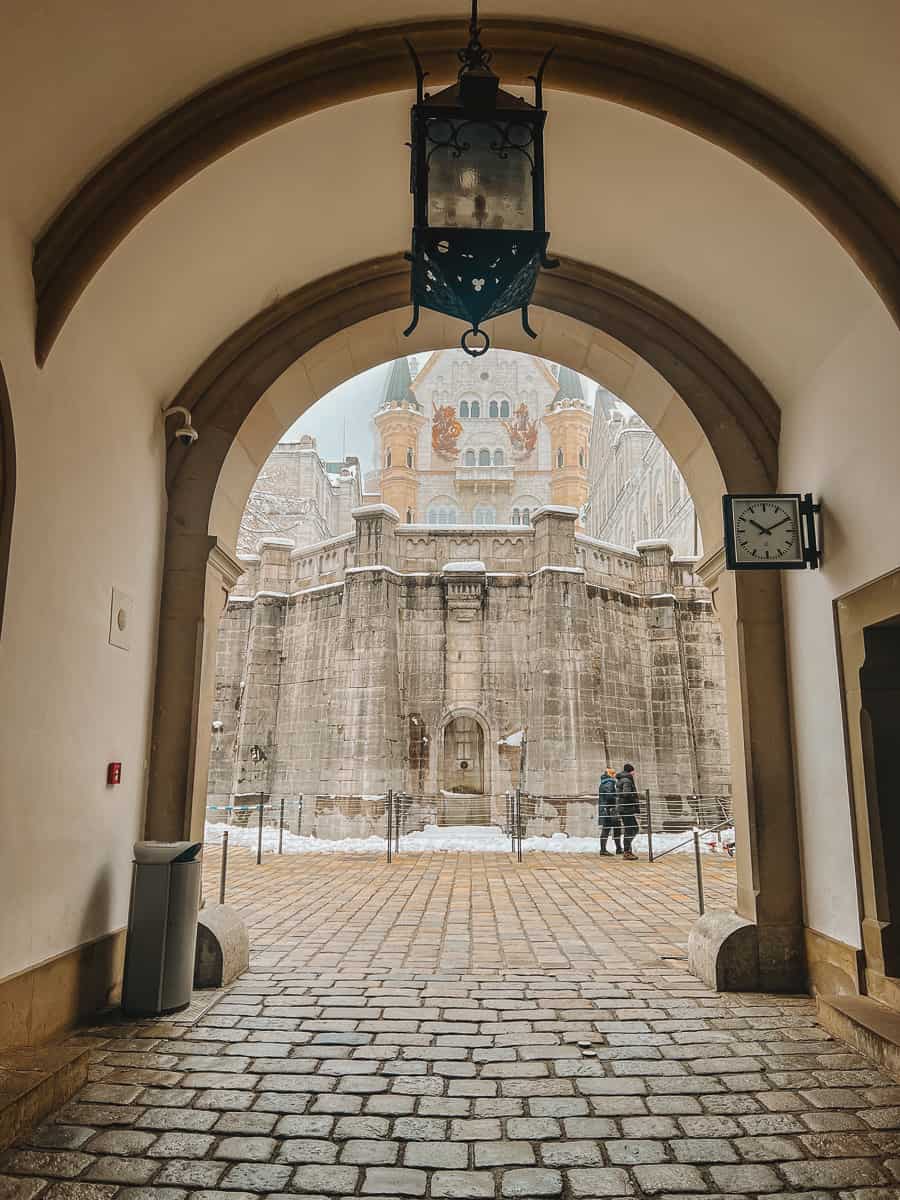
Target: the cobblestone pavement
(347, 1075)
(452, 911)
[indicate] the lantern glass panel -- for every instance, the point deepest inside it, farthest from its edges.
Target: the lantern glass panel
(480, 175)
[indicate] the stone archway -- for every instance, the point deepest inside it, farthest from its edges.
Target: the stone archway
(464, 753)
(717, 420)
(7, 487)
(835, 188)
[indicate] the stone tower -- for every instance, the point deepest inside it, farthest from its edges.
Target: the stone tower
(568, 418)
(398, 421)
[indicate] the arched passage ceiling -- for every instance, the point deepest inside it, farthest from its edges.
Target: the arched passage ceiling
(627, 192)
(79, 80)
(725, 111)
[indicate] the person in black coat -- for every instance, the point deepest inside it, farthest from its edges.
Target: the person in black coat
(608, 812)
(628, 804)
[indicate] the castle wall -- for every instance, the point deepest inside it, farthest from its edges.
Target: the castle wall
(345, 662)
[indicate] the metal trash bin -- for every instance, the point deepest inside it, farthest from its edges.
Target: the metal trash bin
(162, 928)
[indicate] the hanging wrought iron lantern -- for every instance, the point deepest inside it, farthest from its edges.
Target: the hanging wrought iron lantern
(477, 182)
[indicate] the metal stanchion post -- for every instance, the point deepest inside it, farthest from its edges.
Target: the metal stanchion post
(700, 901)
(259, 836)
(299, 813)
(224, 867)
(398, 816)
(281, 827)
(649, 829)
(390, 832)
(518, 825)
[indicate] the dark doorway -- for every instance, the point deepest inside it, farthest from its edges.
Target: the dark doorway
(879, 680)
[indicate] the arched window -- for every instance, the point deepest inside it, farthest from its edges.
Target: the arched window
(484, 458)
(409, 456)
(387, 458)
(498, 458)
(475, 409)
(516, 517)
(484, 515)
(464, 408)
(526, 516)
(493, 409)
(409, 516)
(470, 458)
(504, 409)
(660, 511)
(441, 514)
(560, 457)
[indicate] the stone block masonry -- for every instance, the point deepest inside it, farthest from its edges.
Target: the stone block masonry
(460, 662)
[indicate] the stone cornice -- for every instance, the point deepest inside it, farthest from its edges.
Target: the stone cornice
(225, 561)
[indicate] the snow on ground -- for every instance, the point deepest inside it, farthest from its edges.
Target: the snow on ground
(473, 839)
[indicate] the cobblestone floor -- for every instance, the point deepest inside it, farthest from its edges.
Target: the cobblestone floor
(452, 911)
(587, 1065)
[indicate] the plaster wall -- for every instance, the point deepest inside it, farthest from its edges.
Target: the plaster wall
(89, 515)
(839, 440)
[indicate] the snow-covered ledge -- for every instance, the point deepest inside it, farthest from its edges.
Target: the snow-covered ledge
(376, 510)
(470, 567)
(554, 510)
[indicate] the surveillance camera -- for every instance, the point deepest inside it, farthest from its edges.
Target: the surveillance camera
(186, 434)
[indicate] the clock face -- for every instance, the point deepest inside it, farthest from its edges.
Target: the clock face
(767, 530)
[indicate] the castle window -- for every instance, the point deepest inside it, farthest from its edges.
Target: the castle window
(493, 409)
(526, 516)
(581, 457)
(484, 515)
(484, 458)
(441, 515)
(498, 458)
(409, 516)
(470, 458)
(504, 409)
(516, 517)
(409, 456)
(387, 458)
(560, 457)
(475, 409)
(464, 408)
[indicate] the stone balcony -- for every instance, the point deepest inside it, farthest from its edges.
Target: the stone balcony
(487, 479)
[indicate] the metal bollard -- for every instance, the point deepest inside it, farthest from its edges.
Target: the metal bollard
(281, 827)
(398, 817)
(299, 813)
(223, 869)
(390, 817)
(259, 836)
(700, 901)
(518, 825)
(649, 829)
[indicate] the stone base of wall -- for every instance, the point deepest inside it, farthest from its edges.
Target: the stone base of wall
(52, 997)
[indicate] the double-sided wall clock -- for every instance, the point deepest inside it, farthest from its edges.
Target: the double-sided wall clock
(770, 532)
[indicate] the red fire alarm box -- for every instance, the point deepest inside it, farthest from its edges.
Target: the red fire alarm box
(113, 773)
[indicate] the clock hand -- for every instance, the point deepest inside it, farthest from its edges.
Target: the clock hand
(761, 528)
(777, 523)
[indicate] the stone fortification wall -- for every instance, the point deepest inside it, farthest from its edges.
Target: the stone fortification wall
(343, 668)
